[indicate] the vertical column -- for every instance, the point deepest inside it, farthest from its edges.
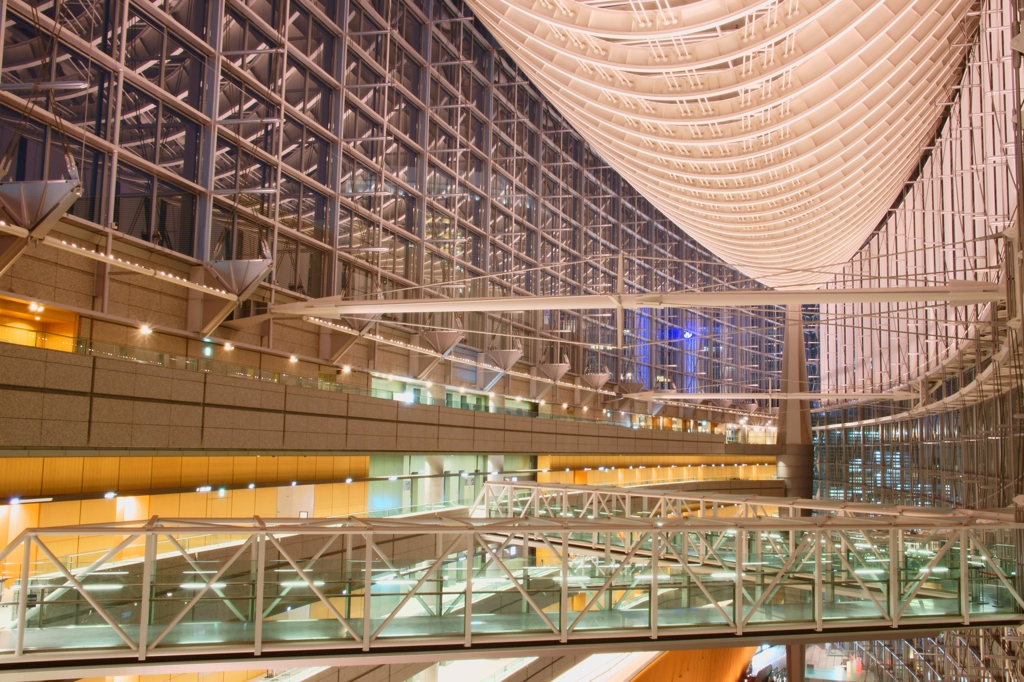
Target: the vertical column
(796, 660)
(433, 489)
(495, 463)
(796, 460)
(208, 155)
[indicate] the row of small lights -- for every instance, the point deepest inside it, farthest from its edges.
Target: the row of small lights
(146, 330)
(135, 266)
(222, 490)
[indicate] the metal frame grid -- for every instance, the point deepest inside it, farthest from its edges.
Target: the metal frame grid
(375, 149)
(957, 444)
(167, 589)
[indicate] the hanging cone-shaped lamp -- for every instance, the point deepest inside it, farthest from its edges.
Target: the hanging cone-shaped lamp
(629, 379)
(505, 349)
(241, 277)
(596, 380)
(556, 363)
(35, 206)
(29, 203)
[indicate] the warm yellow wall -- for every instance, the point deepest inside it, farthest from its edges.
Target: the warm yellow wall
(339, 499)
(687, 468)
(235, 676)
(45, 476)
(703, 665)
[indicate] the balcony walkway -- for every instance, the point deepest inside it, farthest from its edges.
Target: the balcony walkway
(550, 567)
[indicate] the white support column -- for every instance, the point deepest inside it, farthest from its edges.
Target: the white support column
(468, 625)
(148, 558)
(796, 463)
(26, 563)
(563, 600)
(433, 487)
(655, 551)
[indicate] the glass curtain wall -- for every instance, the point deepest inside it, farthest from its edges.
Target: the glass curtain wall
(372, 149)
(957, 442)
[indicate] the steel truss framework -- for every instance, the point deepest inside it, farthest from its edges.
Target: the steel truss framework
(171, 590)
(984, 654)
(558, 500)
(378, 149)
(957, 445)
(960, 443)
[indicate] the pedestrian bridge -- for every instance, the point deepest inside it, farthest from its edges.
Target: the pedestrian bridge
(531, 566)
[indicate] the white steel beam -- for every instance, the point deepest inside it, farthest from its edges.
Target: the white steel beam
(961, 293)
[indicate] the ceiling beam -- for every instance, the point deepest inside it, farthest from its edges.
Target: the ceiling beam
(961, 293)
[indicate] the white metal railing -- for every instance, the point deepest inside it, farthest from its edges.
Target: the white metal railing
(340, 587)
(515, 499)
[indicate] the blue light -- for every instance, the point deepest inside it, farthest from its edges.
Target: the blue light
(687, 334)
(207, 351)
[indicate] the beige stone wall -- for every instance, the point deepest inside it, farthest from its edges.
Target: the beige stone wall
(73, 424)
(53, 400)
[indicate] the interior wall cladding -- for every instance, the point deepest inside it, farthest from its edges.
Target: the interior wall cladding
(946, 223)
(335, 132)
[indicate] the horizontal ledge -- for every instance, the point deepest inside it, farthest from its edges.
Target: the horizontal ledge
(963, 293)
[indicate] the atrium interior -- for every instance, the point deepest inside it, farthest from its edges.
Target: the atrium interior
(511, 340)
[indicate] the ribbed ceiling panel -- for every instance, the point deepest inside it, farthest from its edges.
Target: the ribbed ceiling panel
(776, 133)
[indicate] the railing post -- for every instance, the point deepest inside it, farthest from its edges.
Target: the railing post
(261, 556)
(894, 576)
(655, 551)
(469, 590)
(818, 580)
(563, 608)
(965, 595)
(19, 642)
(367, 588)
(148, 557)
(740, 541)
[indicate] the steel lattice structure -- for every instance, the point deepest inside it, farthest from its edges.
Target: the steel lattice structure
(172, 591)
(783, 127)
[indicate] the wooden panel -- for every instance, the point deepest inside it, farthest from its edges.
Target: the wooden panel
(20, 476)
(266, 469)
(195, 471)
(326, 467)
(306, 468)
(60, 514)
(98, 511)
(266, 502)
(244, 469)
(101, 474)
(165, 505)
(167, 472)
(287, 468)
(135, 473)
(707, 665)
(221, 470)
(243, 503)
(62, 475)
